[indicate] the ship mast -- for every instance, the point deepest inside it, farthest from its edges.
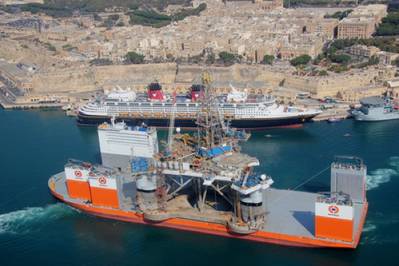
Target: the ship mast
(209, 123)
(172, 125)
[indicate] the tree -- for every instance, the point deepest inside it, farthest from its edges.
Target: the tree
(318, 59)
(340, 58)
(339, 14)
(268, 59)
(210, 58)
(101, 62)
(323, 73)
(300, 60)
(338, 68)
(227, 58)
(389, 25)
(374, 60)
(134, 58)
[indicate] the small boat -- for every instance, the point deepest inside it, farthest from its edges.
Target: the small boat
(334, 120)
(67, 107)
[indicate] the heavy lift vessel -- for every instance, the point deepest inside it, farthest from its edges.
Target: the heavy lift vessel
(203, 183)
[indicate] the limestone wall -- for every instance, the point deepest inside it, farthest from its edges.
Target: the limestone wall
(235, 73)
(335, 83)
(258, 78)
(70, 80)
(135, 76)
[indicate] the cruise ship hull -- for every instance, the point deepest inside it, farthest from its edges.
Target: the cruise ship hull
(203, 227)
(249, 123)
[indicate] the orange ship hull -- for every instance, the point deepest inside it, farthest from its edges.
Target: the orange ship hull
(216, 229)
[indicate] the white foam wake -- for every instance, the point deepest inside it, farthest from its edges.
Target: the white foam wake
(378, 177)
(26, 220)
(383, 175)
(369, 227)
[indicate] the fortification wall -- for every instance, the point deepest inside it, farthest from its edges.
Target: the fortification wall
(258, 78)
(66, 80)
(135, 76)
(335, 83)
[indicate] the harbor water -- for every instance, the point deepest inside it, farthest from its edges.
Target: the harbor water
(37, 230)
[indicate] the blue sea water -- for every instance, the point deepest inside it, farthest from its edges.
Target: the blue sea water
(37, 230)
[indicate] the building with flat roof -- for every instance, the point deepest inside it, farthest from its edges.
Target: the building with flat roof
(363, 50)
(361, 22)
(361, 28)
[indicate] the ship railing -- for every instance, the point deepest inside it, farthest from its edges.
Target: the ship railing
(348, 162)
(102, 170)
(251, 181)
(75, 162)
(339, 198)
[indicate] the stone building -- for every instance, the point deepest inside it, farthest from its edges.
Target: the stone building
(387, 58)
(264, 5)
(363, 50)
(361, 28)
(361, 22)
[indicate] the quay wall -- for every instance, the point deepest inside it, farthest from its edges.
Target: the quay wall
(257, 78)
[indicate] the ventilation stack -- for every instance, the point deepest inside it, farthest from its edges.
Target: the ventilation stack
(77, 179)
(348, 176)
(104, 187)
(335, 212)
(334, 218)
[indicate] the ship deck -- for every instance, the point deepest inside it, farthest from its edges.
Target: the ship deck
(292, 212)
(288, 213)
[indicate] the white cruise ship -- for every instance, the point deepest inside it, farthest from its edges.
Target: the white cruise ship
(155, 108)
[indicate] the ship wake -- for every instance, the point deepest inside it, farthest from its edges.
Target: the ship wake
(383, 175)
(23, 221)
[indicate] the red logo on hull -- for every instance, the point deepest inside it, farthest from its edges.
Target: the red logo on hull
(333, 209)
(102, 180)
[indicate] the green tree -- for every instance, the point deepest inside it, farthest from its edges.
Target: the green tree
(227, 58)
(338, 68)
(340, 58)
(374, 60)
(100, 62)
(339, 14)
(318, 59)
(323, 73)
(210, 59)
(268, 59)
(300, 60)
(134, 58)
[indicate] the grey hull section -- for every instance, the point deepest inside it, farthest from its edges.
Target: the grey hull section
(293, 212)
(367, 118)
(374, 115)
(115, 160)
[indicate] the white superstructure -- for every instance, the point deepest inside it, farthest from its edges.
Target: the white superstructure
(119, 143)
(233, 106)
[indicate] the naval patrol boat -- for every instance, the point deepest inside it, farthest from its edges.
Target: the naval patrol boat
(377, 108)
